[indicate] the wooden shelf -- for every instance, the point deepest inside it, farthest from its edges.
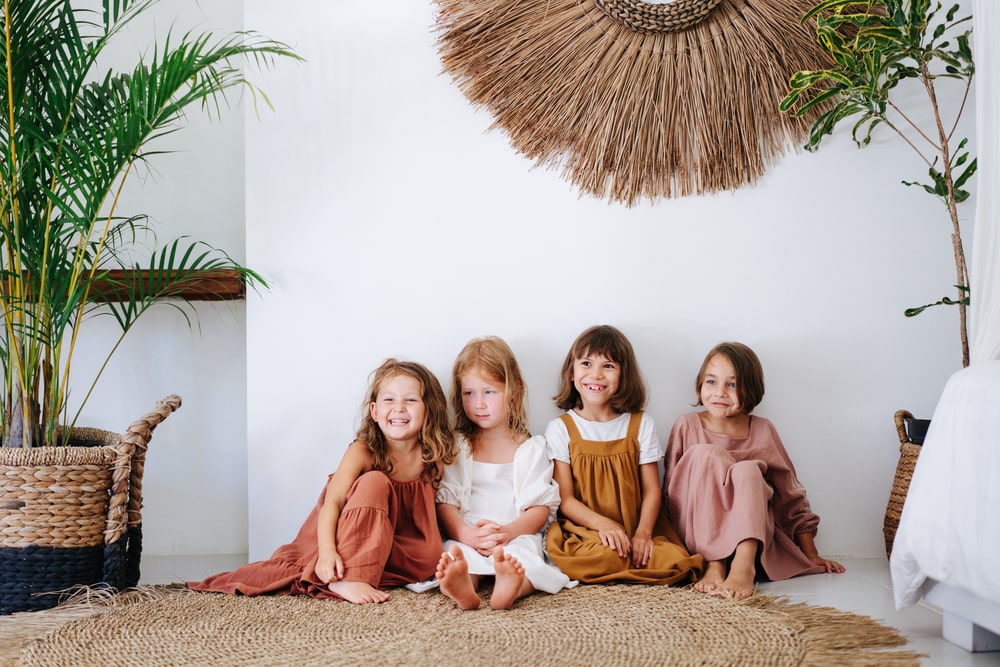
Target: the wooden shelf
(225, 285)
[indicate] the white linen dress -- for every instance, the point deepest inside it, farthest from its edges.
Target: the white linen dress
(499, 492)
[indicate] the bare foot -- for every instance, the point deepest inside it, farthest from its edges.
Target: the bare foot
(742, 570)
(715, 574)
(453, 573)
(358, 592)
(511, 583)
(739, 583)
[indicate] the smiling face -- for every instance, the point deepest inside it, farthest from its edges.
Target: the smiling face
(718, 389)
(484, 400)
(596, 377)
(399, 408)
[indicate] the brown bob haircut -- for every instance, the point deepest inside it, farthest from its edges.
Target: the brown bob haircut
(749, 374)
(609, 342)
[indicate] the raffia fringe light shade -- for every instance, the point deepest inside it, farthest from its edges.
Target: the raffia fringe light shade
(635, 100)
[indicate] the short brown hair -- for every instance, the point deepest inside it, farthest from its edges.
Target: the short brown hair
(749, 374)
(609, 342)
(494, 358)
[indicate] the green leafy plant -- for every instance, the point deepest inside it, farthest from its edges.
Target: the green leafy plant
(876, 45)
(71, 136)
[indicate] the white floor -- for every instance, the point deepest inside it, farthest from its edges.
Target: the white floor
(864, 589)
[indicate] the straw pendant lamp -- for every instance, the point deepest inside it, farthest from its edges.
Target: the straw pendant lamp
(635, 100)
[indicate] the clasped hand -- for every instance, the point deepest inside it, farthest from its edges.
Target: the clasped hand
(488, 535)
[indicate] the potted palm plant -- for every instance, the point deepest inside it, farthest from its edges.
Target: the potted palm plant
(71, 136)
(877, 46)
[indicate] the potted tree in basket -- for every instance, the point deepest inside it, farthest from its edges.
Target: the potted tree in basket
(71, 135)
(878, 46)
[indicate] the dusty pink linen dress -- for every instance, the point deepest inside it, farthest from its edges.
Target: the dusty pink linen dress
(721, 490)
(387, 536)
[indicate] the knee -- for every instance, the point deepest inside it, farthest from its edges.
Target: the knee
(369, 487)
(747, 472)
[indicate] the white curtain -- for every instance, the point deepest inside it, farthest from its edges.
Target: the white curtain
(949, 531)
(984, 330)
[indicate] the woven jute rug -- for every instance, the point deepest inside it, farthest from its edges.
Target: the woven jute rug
(587, 625)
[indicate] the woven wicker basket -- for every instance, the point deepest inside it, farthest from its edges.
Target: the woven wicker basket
(71, 516)
(908, 453)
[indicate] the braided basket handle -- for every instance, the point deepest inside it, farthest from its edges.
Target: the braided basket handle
(126, 501)
(138, 435)
(900, 418)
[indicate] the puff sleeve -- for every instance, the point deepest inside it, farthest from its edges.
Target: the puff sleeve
(456, 485)
(533, 483)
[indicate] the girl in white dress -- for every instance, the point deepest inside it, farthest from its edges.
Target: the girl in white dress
(497, 499)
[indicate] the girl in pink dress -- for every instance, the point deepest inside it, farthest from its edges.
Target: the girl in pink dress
(731, 489)
(375, 525)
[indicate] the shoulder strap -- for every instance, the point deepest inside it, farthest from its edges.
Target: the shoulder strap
(633, 425)
(574, 432)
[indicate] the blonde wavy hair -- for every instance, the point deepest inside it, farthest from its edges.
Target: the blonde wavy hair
(436, 437)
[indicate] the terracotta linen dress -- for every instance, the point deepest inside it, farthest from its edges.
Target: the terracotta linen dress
(606, 479)
(721, 490)
(387, 536)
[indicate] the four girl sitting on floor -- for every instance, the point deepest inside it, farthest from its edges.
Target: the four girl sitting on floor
(590, 489)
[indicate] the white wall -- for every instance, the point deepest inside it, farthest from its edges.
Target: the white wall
(195, 477)
(392, 222)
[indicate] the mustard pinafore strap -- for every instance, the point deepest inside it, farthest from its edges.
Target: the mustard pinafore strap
(574, 432)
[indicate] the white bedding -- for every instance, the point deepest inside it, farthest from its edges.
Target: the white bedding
(949, 530)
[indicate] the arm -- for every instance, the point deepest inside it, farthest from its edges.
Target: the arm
(528, 522)
(611, 533)
(356, 461)
(642, 541)
(792, 512)
(454, 525)
(677, 443)
(790, 505)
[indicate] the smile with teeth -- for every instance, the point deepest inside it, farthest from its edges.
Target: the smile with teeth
(399, 421)
(595, 387)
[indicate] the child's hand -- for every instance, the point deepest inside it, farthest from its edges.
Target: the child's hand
(830, 565)
(488, 536)
(642, 549)
(614, 536)
(807, 543)
(330, 568)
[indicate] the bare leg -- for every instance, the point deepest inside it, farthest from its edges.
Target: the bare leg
(715, 574)
(358, 592)
(456, 582)
(511, 584)
(742, 570)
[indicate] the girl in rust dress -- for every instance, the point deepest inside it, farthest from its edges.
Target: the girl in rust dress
(375, 525)
(731, 488)
(606, 454)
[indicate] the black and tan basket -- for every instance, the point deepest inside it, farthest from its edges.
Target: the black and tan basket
(909, 451)
(72, 516)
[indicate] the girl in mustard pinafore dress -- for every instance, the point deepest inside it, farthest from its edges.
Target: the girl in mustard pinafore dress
(605, 452)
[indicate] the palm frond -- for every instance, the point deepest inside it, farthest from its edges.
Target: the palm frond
(71, 136)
